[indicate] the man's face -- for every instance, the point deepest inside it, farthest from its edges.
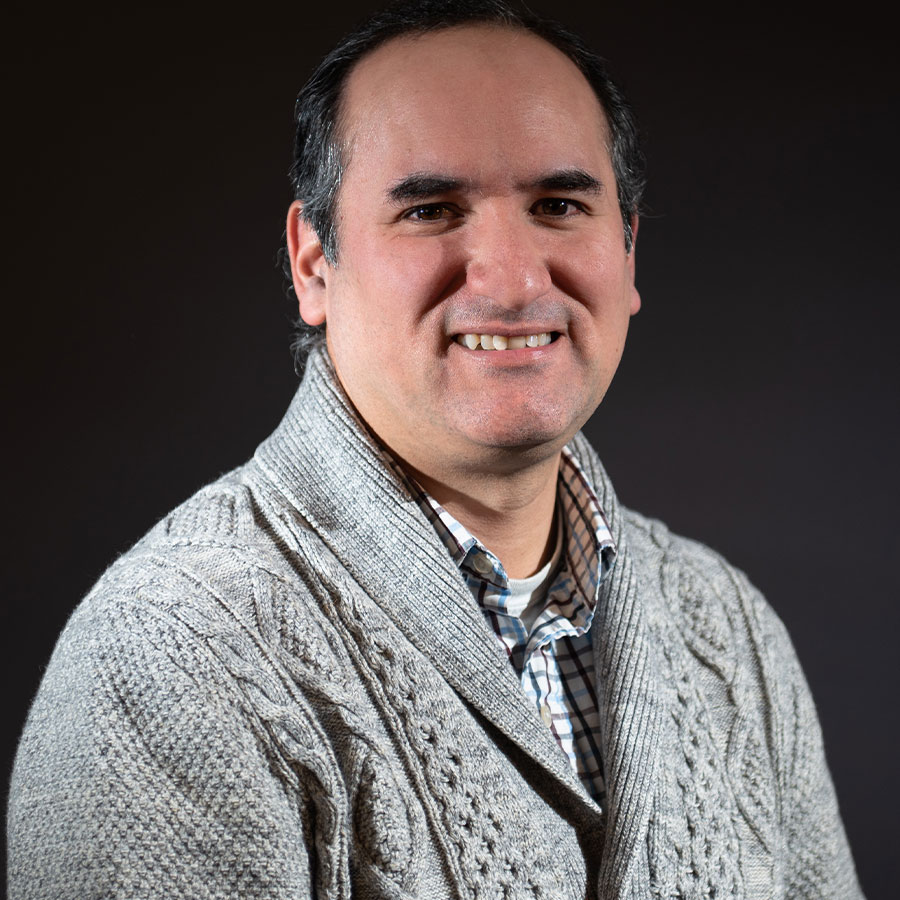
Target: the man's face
(479, 199)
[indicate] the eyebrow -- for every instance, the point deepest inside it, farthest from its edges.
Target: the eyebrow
(568, 180)
(421, 186)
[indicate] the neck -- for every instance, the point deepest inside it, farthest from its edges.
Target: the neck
(511, 514)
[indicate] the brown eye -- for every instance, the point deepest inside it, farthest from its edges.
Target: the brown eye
(554, 207)
(430, 213)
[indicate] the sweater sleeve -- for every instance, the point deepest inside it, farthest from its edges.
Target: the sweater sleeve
(142, 773)
(817, 863)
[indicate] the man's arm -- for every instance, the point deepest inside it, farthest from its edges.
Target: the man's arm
(818, 863)
(142, 772)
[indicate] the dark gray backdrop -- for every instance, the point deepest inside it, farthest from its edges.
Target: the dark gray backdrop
(146, 336)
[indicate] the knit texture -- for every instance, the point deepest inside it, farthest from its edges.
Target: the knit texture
(286, 690)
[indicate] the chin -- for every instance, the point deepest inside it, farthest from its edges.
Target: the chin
(523, 436)
(508, 425)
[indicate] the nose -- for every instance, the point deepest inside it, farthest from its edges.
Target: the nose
(507, 260)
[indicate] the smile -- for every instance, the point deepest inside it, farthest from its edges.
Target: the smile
(504, 342)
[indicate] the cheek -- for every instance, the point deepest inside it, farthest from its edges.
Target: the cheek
(385, 314)
(414, 277)
(596, 276)
(599, 281)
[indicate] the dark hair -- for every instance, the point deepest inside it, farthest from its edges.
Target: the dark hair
(319, 157)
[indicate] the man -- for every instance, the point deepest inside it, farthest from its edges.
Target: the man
(415, 647)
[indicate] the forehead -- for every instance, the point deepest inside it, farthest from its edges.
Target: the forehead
(484, 97)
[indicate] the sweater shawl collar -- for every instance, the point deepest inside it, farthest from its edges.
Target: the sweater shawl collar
(322, 472)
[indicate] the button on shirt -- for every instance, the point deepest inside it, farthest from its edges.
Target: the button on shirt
(554, 658)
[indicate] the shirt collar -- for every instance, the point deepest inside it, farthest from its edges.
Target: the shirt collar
(588, 555)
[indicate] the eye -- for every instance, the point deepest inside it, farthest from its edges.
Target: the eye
(430, 212)
(556, 207)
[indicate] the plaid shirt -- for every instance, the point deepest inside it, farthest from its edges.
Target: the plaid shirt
(554, 660)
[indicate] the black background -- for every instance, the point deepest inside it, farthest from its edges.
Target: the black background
(146, 333)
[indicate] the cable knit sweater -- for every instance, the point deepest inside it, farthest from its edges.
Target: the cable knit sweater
(285, 690)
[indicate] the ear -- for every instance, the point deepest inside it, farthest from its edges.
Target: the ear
(629, 262)
(308, 266)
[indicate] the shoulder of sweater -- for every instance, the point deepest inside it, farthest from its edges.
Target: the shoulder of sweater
(208, 608)
(206, 612)
(213, 564)
(687, 581)
(656, 546)
(724, 619)
(682, 578)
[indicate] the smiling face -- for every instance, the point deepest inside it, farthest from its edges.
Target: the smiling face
(479, 199)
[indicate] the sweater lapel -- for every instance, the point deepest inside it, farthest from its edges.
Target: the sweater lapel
(629, 695)
(366, 517)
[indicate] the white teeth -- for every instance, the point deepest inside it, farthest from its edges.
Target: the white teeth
(503, 342)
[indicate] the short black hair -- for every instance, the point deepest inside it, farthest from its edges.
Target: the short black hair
(319, 158)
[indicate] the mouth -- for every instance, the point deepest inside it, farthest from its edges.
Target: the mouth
(506, 342)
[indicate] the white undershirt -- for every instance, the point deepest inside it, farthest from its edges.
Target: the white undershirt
(527, 596)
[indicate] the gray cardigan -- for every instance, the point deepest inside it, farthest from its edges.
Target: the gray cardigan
(285, 690)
